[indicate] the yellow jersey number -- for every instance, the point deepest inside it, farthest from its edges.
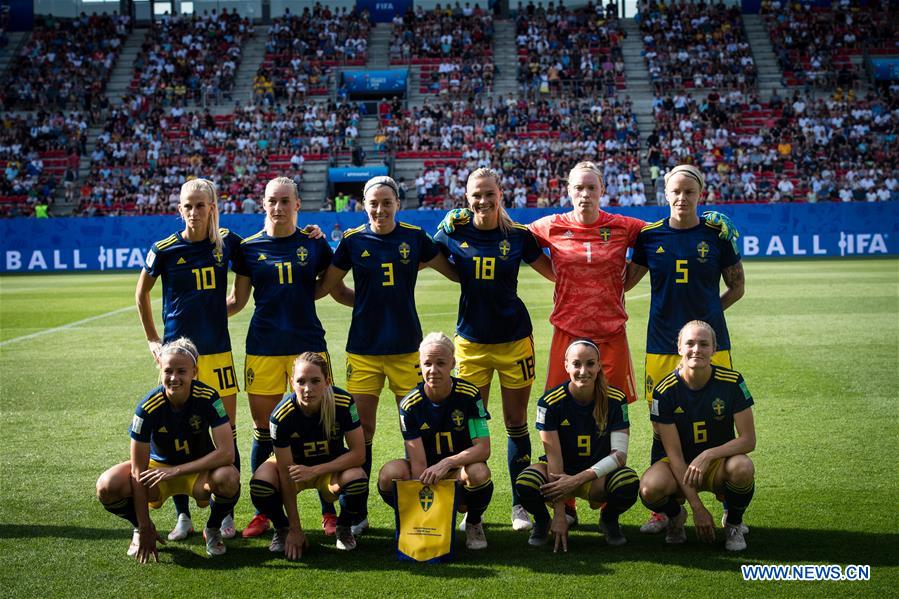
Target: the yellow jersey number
(683, 275)
(700, 433)
(315, 448)
(439, 445)
(285, 272)
(182, 446)
(484, 267)
(205, 278)
(388, 274)
(583, 445)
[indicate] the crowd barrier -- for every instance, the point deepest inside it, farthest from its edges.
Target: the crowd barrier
(768, 231)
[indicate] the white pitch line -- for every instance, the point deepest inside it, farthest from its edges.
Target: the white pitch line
(64, 327)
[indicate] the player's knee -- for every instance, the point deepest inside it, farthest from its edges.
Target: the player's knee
(389, 472)
(225, 480)
(650, 490)
(104, 493)
(740, 469)
(477, 474)
(353, 474)
(267, 471)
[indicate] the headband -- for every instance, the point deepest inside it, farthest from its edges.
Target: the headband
(690, 171)
(582, 342)
(179, 350)
(382, 180)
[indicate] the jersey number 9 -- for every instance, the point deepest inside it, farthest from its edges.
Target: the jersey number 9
(583, 445)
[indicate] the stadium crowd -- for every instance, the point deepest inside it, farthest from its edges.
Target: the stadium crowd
(303, 49)
(65, 63)
(565, 52)
(695, 46)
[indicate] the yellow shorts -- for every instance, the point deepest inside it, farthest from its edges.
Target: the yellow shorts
(270, 375)
(321, 483)
(179, 485)
(658, 366)
(514, 361)
(708, 479)
(366, 374)
(217, 371)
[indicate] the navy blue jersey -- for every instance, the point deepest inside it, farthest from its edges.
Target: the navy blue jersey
(705, 417)
(490, 310)
(194, 289)
(385, 269)
(303, 434)
(580, 438)
(182, 435)
(447, 428)
(283, 271)
(685, 270)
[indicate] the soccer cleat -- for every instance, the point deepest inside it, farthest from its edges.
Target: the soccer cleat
(520, 518)
(329, 524)
(214, 543)
(612, 531)
(279, 538)
(135, 543)
(539, 535)
(183, 528)
(228, 531)
(676, 533)
(474, 536)
(345, 539)
(743, 528)
(571, 512)
(359, 527)
(657, 523)
(733, 538)
(257, 526)
(464, 522)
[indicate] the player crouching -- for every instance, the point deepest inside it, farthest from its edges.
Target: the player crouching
(584, 428)
(697, 408)
(172, 453)
(444, 426)
(308, 430)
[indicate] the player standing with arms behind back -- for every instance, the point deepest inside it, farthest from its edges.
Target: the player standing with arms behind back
(686, 260)
(493, 330)
(193, 265)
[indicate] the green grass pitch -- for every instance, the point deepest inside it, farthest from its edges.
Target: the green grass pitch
(818, 343)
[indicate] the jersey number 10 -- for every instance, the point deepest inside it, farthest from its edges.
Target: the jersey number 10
(205, 277)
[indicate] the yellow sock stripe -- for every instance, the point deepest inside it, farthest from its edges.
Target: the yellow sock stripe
(355, 490)
(527, 483)
(262, 434)
(738, 489)
(534, 475)
(369, 442)
(261, 489)
(118, 504)
(658, 505)
(480, 486)
(620, 482)
(530, 478)
(222, 500)
(518, 431)
(234, 431)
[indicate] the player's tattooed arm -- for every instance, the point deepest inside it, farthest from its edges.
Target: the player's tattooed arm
(735, 280)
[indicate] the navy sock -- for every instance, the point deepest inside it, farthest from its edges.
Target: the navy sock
(387, 496)
(236, 448)
(124, 508)
(477, 498)
(667, 505)
(518, 455)
(737, 499)
(267, 500)
(219, 507)
(528, 485)
(353, 497)
(622, 488)
(262, 447)
(182, 504)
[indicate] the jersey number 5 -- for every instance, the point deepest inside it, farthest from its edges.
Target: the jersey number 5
(683, 275)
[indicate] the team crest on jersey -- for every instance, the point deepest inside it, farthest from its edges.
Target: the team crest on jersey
(703, 250)
(195, 422)
(349, 371)
(649, 383)
(504, 248)
(605, 233)
(335, 431)
(250, 376)
(426, 498)
(718, 407)
(218, 255)
(302, 255)
(458, 419)
(405, 250)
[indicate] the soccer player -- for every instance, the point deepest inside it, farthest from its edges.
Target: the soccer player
(173, 452)
(686, 260)
(308, 430)
(584, 427)
(444, 427)
(493, 330)
(281, 264)
(697, 407)
(385, 257)
(193, 265)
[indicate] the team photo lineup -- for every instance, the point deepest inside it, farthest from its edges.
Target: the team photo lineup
(399, 297)
(320, 436)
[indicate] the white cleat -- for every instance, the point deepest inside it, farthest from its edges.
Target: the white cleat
(520, 518)
(345, 539)
(733, 538)
(135, 543)
(184, 527)
(360, 527)
(279, 539)
(214, 543)
(743, 528)
(475, 537)
(676, 533)
(656, 524)
(228, 530)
